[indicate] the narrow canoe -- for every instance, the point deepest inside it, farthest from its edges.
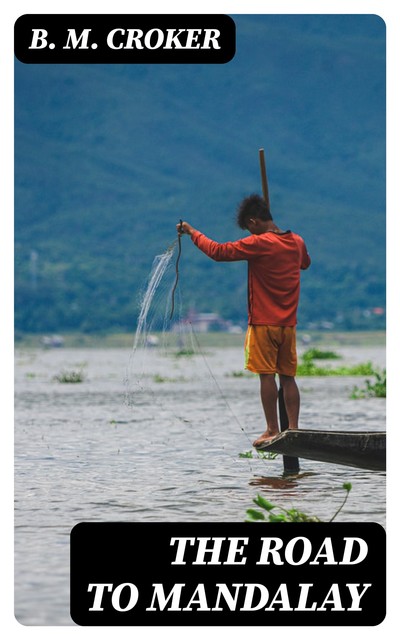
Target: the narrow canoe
(365, 449)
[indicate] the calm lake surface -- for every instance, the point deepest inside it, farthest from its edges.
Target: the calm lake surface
(157, 437)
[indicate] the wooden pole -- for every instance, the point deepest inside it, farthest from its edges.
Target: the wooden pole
(264, 181)
(290, 464)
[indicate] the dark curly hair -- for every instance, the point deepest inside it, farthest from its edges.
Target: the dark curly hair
(253, 206)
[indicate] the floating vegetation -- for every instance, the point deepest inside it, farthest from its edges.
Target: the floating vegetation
(185, 353)
(372, 390)
(240, 374)
(317, 354)
(309, 368)
(70, 377)
(286, 515)
(264, 455)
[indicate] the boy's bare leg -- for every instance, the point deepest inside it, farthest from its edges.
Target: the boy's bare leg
(291, 397)
(269, 400)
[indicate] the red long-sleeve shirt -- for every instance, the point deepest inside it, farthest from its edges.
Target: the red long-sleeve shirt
(274, 264)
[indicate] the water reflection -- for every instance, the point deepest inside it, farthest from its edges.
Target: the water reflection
(284, 482)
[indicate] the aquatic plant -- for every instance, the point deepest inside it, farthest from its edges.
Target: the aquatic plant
(264, 455)
(185, 352)
(318, 354)
(287, 515)
(240, 374)
(309, 368)
(347, 488)
(70, 377)
(376, 390)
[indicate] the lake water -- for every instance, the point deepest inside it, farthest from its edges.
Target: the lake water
(157, 437)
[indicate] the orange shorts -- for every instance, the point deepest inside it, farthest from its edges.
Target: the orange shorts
(270, 349)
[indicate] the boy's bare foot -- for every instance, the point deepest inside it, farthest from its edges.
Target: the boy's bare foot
(265, 437)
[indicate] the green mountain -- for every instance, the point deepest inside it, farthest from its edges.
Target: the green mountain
(108, 158)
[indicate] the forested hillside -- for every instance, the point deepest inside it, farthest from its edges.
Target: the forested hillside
(108, 158)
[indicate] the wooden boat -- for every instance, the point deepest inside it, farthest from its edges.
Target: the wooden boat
(365, 449)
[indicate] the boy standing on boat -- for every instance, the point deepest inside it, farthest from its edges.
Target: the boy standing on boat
(275, 259)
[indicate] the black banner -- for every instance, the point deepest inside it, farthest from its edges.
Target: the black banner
(124, 39)
(228, 574)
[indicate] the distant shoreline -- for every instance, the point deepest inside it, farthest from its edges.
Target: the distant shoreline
(212, 339)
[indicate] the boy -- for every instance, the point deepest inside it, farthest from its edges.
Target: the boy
(275, 259)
